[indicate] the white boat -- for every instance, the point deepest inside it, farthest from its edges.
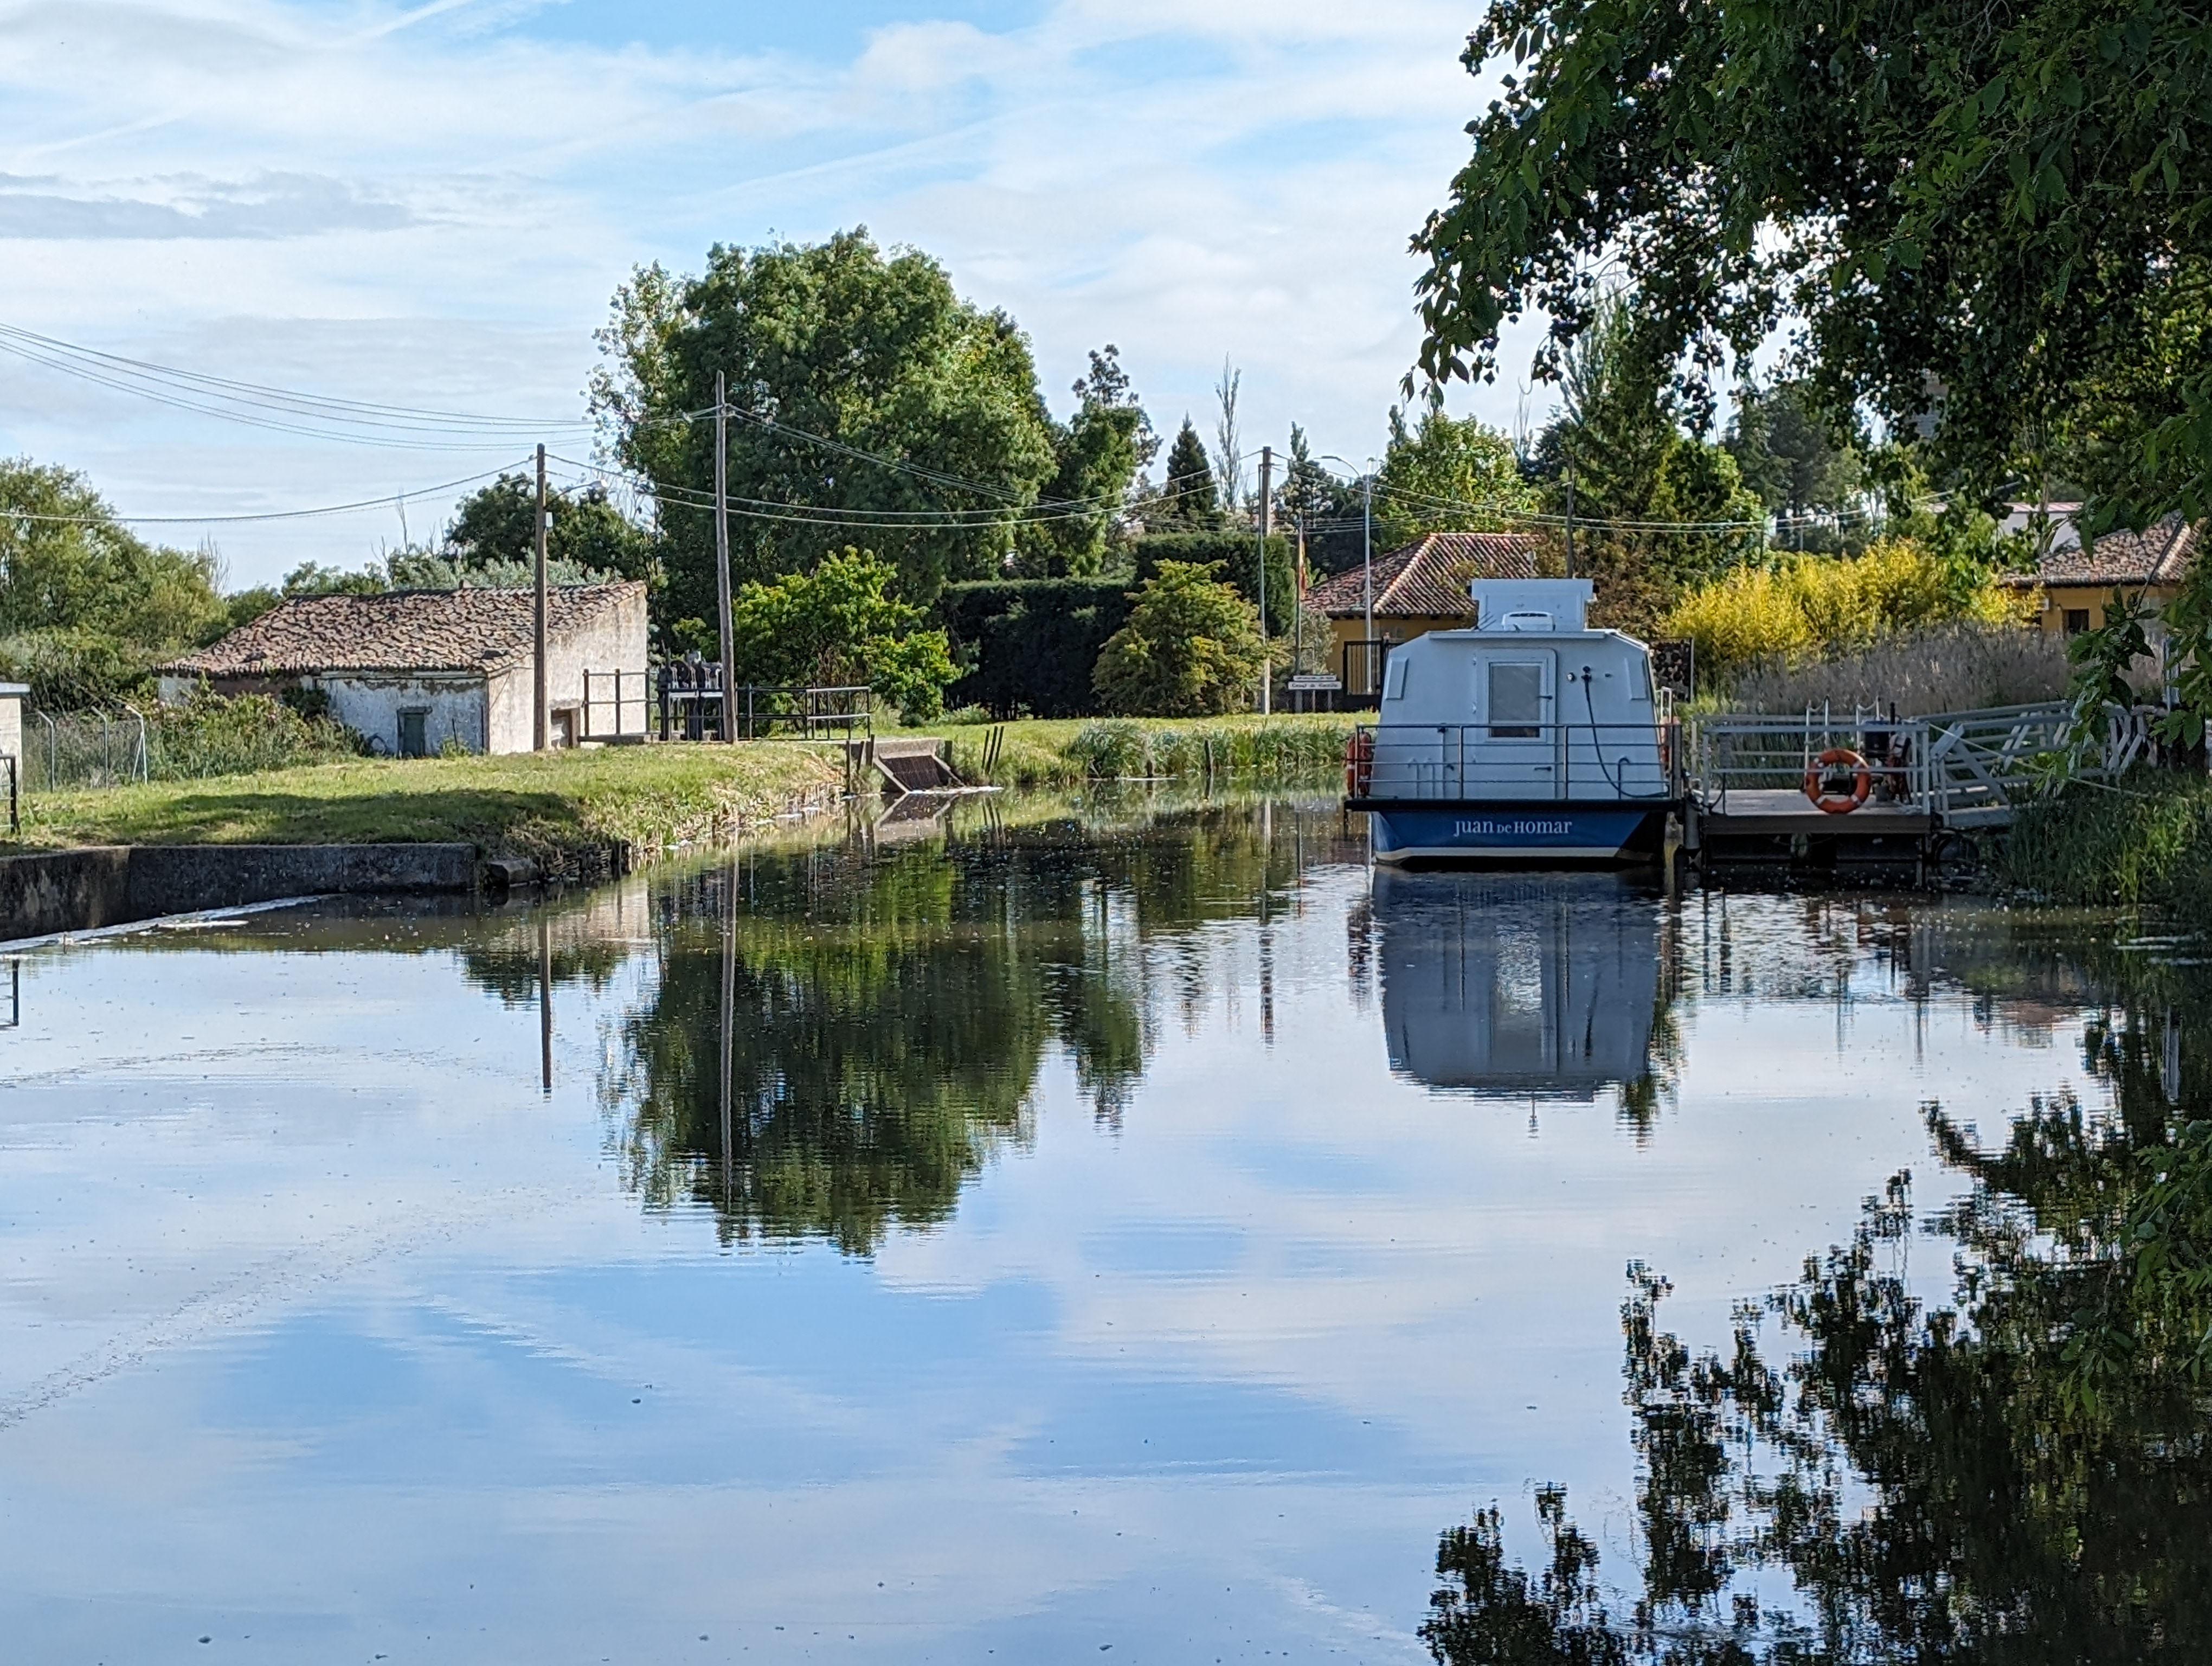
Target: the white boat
(1529, 740)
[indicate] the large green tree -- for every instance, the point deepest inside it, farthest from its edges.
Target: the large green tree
(864, 392)
(1987, 215)
(85, 604)
(1188, 500)
(839, 627)
(494, 525)
(1099, 453)
(1447, 474)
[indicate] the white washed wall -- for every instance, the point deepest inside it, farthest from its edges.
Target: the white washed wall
(372, 703)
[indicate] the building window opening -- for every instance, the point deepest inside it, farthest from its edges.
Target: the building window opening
(2078, 621)
(415, 733)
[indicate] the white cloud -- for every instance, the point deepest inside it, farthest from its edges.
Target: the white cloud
(432, 205)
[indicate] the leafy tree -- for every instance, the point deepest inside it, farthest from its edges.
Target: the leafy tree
(1191, 647)
(1447, 475)
(496, 525)
(2017, 1478)
(863, 389)
(1788, 453)
(1620, 440)
(311, 578)
(1992, 217)
(839, 626)
(1329, 510)
(1100, 453)
(1185, 502)
(67, 563)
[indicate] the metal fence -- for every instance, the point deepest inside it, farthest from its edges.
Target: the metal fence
(1442, 762)
(84, 748)
(1965, 769)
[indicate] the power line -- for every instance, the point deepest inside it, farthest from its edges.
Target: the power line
(267, 514)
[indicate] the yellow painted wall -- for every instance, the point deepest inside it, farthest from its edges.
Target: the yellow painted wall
(1394, 629)
(2090, 599)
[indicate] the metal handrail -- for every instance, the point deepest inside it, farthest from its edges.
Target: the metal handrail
(1958, 767)
(1445, 762)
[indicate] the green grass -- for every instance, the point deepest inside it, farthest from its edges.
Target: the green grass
(1044, 752)
(565, 809)
(2144, 842)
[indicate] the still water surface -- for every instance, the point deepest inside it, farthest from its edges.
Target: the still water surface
(1146, 1238)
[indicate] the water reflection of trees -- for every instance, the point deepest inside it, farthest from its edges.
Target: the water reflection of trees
(2024, 1475)
(890, 1010)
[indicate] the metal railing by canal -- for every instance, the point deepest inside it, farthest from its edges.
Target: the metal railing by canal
(1435, 763)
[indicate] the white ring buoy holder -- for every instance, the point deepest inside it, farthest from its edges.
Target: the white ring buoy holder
(1839, 804)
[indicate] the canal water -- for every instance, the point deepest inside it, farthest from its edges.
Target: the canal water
(1131, 1234)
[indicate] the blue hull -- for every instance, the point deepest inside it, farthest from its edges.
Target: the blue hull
(1529, 835)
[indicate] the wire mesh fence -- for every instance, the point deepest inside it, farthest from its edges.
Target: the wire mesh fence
(84, 748)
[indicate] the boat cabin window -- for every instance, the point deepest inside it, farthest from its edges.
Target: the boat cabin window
(1393, 679)
(1516, 700)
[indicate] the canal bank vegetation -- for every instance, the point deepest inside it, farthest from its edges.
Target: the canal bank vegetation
(568, 811)
(2143, 842)
(1920, 621)
(1048, 753)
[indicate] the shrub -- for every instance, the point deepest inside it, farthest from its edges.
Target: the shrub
(215, 734)
(1236, 554)
(1191, 647)
(1028, 645)
(838, 625)
(1794, 608)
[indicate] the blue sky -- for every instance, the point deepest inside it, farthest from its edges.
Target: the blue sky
(431, 205)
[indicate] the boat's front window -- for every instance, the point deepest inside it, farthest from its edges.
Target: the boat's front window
(1516, 700)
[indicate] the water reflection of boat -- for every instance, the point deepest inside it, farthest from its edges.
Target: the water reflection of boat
(1524, 985)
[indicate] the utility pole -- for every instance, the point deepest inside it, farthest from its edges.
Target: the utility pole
(722, 555)
(539, 716)
(1571, 509)
(1266, 521)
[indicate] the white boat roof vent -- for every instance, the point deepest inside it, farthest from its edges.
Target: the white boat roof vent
(1542, 605)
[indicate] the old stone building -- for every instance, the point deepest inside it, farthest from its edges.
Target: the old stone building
(415, 670)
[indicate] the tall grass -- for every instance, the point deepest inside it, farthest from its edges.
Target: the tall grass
(1111, 750)
(213, 735)
(1945, 668)
(2145, 840)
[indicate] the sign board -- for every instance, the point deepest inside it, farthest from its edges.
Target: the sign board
(1316, 681)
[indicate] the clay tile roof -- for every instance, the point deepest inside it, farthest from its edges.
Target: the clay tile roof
(1429, 579)
(2157, 555)
(400, 630)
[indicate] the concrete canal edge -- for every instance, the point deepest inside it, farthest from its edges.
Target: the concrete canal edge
(97, 885)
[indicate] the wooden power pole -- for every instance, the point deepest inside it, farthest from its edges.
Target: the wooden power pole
(540, 715)
(722, 555)
(1266, 505)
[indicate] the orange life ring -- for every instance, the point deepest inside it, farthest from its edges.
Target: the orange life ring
(1839, 804)
(1359, 764)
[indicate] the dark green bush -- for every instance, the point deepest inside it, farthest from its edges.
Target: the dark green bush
(1029, 644)
(1237, 552)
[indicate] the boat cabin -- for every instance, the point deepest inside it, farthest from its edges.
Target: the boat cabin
(1530, 733)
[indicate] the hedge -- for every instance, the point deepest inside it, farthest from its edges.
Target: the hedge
(1030, 643)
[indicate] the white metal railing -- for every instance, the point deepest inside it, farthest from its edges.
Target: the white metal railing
(1459, 762)
(1965, 769)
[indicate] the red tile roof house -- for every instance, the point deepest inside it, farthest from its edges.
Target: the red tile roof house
(2076, 583)
(414, 669)
(1419, 588)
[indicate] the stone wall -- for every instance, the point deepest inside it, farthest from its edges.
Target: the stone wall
(69, 891)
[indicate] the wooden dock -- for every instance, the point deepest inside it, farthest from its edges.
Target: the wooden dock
(1774, 828)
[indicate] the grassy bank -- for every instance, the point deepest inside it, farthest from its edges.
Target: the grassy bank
(2144, 842)
(1067, 752)
(565, 809)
